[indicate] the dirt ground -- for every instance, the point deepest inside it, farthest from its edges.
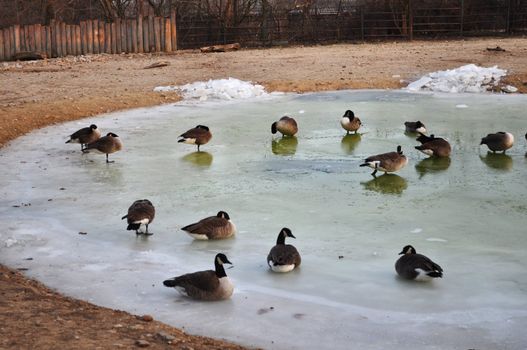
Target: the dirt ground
(36, 94)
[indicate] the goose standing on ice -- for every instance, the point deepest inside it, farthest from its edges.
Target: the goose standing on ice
(417, 267)
(212, 227)
(283, 257)
(105, 145)
(141, 212)
(287, 126)
(199, 135)
(387, 162)
(85, 135)
(206, 285)
(434, 146)
(500, 141)
(350, 122)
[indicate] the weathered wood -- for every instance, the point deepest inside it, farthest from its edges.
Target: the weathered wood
(69, 40)
(78, 39)
(118, 36)
(133, 28)
(29, 35)
(107, 38)
(52, 33)
(113, 49)
(9, 36)
(95, 27)
(89, 36)
(63, 37)
(146, 36)
(157, 35)
(173, 33)
(221, 48)
(129, 43)
(2, 54)
(168, 36)
(47, 31)
(123, 36)
(140, 34)
(82, 26)
(161, 21)
(28, 56)
(38, 38)
(101, 35)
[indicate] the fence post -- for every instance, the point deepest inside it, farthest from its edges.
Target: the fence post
(173, 35)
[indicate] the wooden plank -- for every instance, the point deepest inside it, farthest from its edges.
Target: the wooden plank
(152, 34)
(95, 35)
(133, 25)
(173, 32)
(107, 37)
(168, 35)
(140, 47)
(47, 31)
(69, 49)
(22, 39)
(128, 36)
(89, 36)
(101, 36)
(123, 36)
(78, 47)
(29, 35)
(38, 38)
(161, 21)
(82, 26)
(12, 40)
(118, 36)
(157, 35)
(146, 36)
(63, 38)
(53, 33)
(114, 38)
(16, 33)
(2, 54)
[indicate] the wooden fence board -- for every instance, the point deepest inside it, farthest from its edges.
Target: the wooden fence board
(152, 34)
(173, 32)
(2, 54)
(78, 40)
(53, 34)
(69, 48)
(128, 36)
(47, 33)
(11, 38)
(133, 25)
(101, 37)
(114, 38)
(123, 36)
(168, 35)
(146, 36)
(82, 26)
(95, 35)
(38, 38)
(63, 37)
(107, 38)
(118, 36)
(157, 35)
(140, 34)
(89, 35)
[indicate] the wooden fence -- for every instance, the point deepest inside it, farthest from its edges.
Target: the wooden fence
(148, 34)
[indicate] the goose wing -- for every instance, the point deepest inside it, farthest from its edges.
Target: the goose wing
(205, 281)
(207, 225)
(141, 209)
(81, 132)
(194, 133)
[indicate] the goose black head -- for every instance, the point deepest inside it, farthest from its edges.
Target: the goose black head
(399, 149)
(349, 114)
(93, 126)
(223, 215)
(408, 250)
(206, 128)
(111, 134)
(287, 232)
(418, 124)
(222, 259)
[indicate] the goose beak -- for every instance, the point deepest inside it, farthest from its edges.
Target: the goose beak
(401, 253)
(292, 236)
(227, 262)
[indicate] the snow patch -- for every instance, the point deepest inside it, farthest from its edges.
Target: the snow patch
(10, 242)
(220, 89)
(469, 78)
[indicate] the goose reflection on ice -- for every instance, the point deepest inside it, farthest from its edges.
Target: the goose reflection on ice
(432, 165)
(349, 142)
(284, 146)
(498, 161)
(387, 184)
(199, 158)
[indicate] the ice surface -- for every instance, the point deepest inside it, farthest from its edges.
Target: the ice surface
(468, 78)
(471, 209)
(219, 89)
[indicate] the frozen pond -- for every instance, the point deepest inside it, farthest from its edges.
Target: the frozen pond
(468, 214)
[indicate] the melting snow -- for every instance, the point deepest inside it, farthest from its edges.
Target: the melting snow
(469, 78)
(220, 89)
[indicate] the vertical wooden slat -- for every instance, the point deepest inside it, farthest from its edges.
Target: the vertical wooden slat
(53, 34)
(118, 36)
(78, 48)
(2, 54)
(129, 36)
(22, 39)
(168, 36)
(161, 32)
(133, 25)
(69, 48)
(173, 32)
(123, 36)
(101, 36)
(12, 40)
(140, 34)
(29, 35)
(16, 33)
(146, 37)
(95, 27)
(82, 26)
(107, 37)
(47, 31)
(157, 35)
(114, 38)
(38, 38)
(63, 38)
(89, 36)
(152, 34)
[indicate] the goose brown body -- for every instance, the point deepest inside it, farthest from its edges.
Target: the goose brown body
(85, 135)
(212, 227)
(437, 147)
(415, 266)
(141, 212)
(283, 257)
(108, 144)
(350, 122)
(199, 135)
(287, 126)
(500, 141)
(413, 127)
(387, 162)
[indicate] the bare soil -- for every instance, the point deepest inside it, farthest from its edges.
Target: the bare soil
(37, 94)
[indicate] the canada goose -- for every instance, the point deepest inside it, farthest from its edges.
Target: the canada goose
(422, 138)
(205, 285)
(283, 257)
(286, 125)
(213, 227)
(415, 127)
(500, 141)
(141, 212)
(437, 147)
(415, 266)
(105, 145)
(85, 136)
(199, 135)
(387, 162)
(350, 122)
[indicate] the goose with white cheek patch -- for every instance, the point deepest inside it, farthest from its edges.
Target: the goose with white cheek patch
(413, 127)
(283, 257)
(141, 213)
(350, 122)
(500, 141)
(108, 144)
(85, 136)
(387, 162)
(212, 227)
(199, 135)
(417, 267)
(287, 126)
(206, 285)
(435, 147)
